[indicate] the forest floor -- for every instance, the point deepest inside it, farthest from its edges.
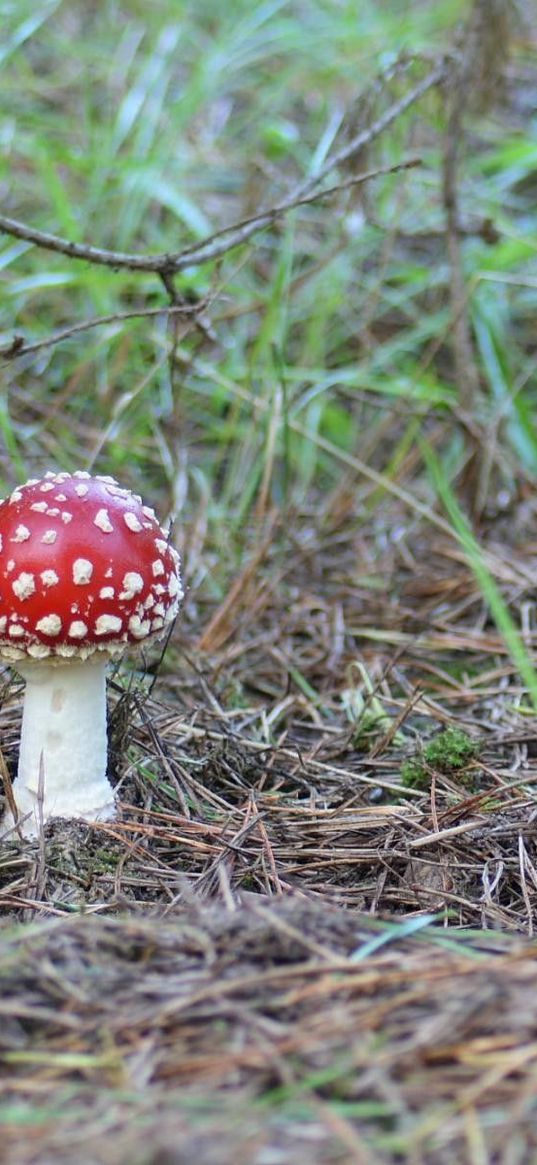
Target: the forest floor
(292, 945)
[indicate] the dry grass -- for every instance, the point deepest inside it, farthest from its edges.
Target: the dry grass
(267, 1013)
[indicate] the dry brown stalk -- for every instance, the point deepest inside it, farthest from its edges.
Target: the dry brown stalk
(472, 82)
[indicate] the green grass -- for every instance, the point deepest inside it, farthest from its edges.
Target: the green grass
(488, 587)
(157, 130)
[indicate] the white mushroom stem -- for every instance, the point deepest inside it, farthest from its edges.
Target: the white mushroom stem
(62, 761)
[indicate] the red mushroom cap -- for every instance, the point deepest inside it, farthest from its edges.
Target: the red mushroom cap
(84, 567)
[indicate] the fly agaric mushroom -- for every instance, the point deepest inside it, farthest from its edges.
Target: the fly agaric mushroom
(85, 570)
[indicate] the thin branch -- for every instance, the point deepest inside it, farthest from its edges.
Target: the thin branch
(258, 220)
(18, 347)
(96, 255)
(218, 244)
(365, 136)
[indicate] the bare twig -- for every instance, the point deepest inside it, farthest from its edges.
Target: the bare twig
(263, 218)
(365, 136)
(18, 347)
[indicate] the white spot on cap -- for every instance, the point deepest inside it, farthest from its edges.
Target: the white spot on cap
(149, 513)
(49, 625)
(77, 629)
(139, 628)
(149, 602)
(106, 593)
(16, 496)
(107, 480)
(53, 512)
(117, 491)
(47, 486)
(21, 534)
(49, 578)
(174, 587)
(157, 567)
(15, 631)
(82, 571)
(108, 624)
(10, 564)
(82, 474)
(102, 520)
(24, 585)
(161, 545)
(38, 650)
(39, 507)
(132, 522)
(133, 583)
(60, 498)
(49, 537)
(81, 490)
(3, 621)
(66, 517)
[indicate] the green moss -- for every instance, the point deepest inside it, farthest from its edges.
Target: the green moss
(103, 861)
(451, 752)
(414, 775)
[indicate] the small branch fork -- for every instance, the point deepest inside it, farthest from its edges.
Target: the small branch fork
(169, 264)
(18, 347)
